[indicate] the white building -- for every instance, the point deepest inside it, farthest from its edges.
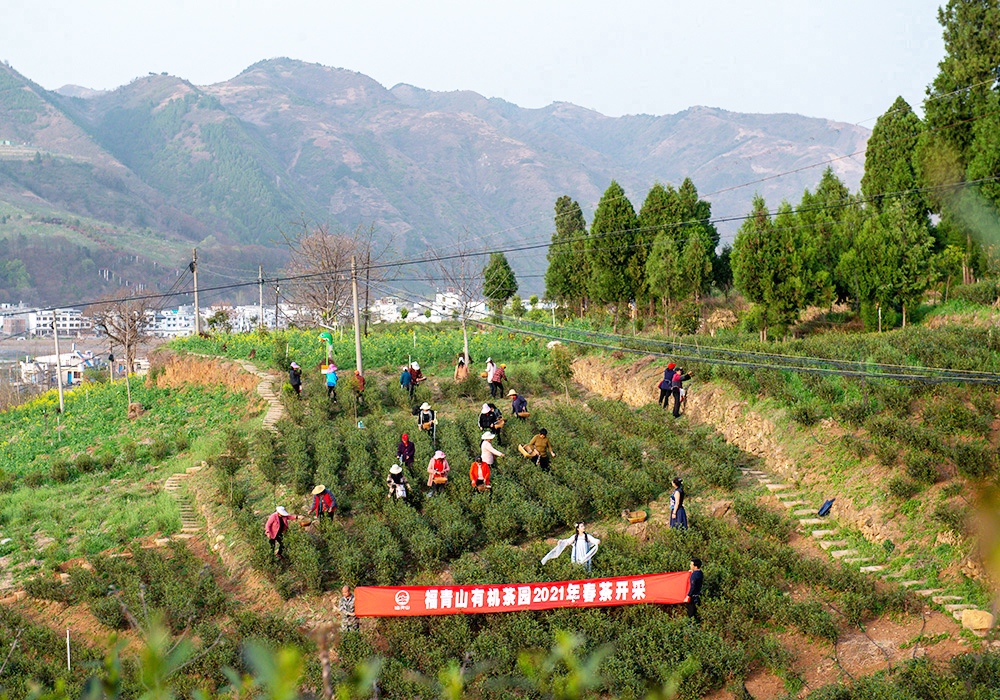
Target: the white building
(171, 323)
(42, 370)
(68, 322)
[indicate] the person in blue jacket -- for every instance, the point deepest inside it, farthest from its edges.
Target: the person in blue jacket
(406, 381)
(331, 383)
(665, 385)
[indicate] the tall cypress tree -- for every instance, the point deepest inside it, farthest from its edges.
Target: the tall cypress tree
(566, 276)
(890, 158)
(499, 282)
(609, 248)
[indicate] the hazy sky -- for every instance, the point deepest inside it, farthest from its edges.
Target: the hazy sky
(844, 60)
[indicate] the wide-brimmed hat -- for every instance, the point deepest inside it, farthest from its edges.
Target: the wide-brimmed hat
(511, 393)
(295, 365)
(280, 510)
(333, 368)
(415, 365)
(486, 408)
(488, 435)
(439, 455)
(320, 488)
(395, 469)
(424, 406)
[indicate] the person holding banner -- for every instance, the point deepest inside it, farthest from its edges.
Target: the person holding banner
(348, 620)
(693, 597)
(582, 547)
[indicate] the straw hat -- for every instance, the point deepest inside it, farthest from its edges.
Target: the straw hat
(488, 435)
(439, 455)
(424, 406)
(486, 409)
(395, 469)
(503, 366)
(320, 488)
(280, 510)
(511, 393)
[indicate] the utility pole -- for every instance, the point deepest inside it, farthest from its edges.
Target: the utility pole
(197, 309)
(260, 287)
(368, 278)
(277, 293)
(357, 319)
(55, 334)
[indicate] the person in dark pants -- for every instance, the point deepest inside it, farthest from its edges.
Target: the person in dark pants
(295, 377)
(675, 389)
(664, 386)
(693, 597)
(678, 516)
(406, 382)
(406, 450)
(275, 528)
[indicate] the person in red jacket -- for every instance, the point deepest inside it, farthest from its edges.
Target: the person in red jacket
(479, 473)
(275, 530)
(324, 504)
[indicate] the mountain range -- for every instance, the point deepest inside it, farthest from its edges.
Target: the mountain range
(158, 166)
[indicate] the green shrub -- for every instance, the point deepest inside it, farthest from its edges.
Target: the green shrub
(902, 488)
(806, 414)
(84, 463)
(108, 611)
(950, 515)
(921, 467)
(974, 458)
(159, 449)
(59, 471)
(984, 292)
(48, 588)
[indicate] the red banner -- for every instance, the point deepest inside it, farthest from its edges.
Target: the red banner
(392, 601)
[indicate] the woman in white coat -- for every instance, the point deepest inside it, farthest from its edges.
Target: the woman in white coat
(582, 547)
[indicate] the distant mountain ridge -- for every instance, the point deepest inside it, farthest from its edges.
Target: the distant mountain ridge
(234, 162)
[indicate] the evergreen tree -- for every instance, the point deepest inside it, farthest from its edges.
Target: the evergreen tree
(722, 271)
(609, 249)
(499, 282)
(823, 237)
(566, 276)
(972, 55)
(767, 265)
(658, 217)
(891, 156)
(890, 262)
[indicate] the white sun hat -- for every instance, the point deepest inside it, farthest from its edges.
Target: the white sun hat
(395, 469)
(281, 510)
(424, 406)
(488, 435)
(485, 409)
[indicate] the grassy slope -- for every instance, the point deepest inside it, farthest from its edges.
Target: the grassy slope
(90, 479)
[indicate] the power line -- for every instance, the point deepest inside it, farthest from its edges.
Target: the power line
(731, 356)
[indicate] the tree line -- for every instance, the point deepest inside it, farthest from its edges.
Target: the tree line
(922, 218)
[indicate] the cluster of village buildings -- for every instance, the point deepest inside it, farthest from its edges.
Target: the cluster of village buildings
(22, 322)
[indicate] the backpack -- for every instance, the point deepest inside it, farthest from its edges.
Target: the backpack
(825, 508)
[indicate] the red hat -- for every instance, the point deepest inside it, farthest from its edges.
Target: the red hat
(405, 437)
(671, 365)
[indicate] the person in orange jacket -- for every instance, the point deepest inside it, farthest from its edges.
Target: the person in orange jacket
(479, 473)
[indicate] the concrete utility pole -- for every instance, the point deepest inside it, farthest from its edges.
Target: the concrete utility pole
(357, 318)
(197, 309)
(260, 288)
(55, 334)
(277, 293)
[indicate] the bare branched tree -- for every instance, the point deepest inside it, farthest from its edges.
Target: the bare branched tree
(125, 322)
(321, 259)
(463, 276)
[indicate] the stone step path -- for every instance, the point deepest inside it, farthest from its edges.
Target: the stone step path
(265, 389)
(839, 549)
(190, 523)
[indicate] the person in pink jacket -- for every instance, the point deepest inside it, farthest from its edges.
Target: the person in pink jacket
(275, 528)
(438, 467)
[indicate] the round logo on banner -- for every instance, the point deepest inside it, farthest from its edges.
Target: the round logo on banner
(402, 598)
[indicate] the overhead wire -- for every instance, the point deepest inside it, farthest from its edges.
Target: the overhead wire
(730, 356)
